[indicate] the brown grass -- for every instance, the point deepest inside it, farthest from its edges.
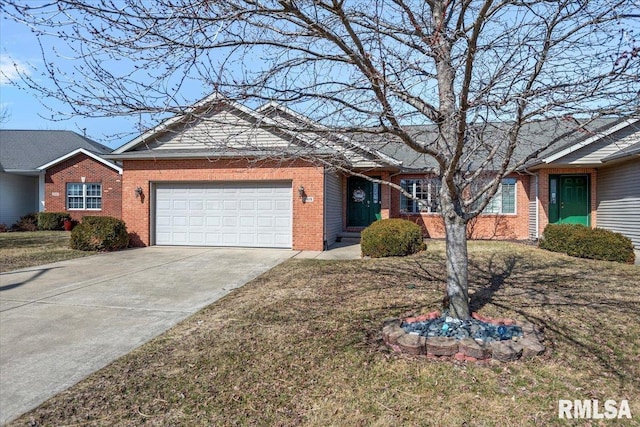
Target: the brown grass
(31, 248)
(301, 345)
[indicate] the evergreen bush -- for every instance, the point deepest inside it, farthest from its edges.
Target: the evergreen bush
(28, 222)
(585, 242)
(99, 233)
(52, 220)
(391, 237)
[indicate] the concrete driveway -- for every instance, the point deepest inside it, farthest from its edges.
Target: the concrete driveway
(61, 322)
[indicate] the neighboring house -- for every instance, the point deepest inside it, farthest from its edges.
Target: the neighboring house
(56, 171)
(227, 175)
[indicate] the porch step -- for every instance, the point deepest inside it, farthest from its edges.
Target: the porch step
(345, 236)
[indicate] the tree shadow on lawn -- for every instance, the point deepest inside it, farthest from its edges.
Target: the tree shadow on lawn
(587, 309)
(586, 305)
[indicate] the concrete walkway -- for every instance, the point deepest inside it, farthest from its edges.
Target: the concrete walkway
(340, 250)
(61, 322)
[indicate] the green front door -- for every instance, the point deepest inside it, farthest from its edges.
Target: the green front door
(363, 202)
(569, 199)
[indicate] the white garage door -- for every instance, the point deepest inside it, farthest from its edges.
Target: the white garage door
(250, 214)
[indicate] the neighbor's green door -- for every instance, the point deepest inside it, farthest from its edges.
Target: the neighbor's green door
(572, 204)
(363, 202)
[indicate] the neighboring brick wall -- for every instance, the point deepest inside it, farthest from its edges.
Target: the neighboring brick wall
(507, 226)
(307, 217)
(543, 192)
(72, 170)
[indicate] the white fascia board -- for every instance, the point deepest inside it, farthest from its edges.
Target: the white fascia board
(270, 104)
(83, 151)
(172, 121)
(166, 124)
(589, 140)
(380, 154)
(33, 172)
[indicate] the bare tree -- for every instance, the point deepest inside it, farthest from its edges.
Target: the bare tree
(5, 115)
(371, 68)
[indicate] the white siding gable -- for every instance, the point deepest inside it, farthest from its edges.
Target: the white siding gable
(594, 153)
(221, 129)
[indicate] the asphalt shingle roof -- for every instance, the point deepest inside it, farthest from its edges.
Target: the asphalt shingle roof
(532, 136)
(26, 150)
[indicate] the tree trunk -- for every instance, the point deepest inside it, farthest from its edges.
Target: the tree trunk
(457, 267)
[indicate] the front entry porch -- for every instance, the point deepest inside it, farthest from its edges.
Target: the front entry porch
(569, 199)
(364, 203)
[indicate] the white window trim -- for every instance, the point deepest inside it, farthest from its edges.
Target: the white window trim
(84, 196)
(428, 201)
(499, 195)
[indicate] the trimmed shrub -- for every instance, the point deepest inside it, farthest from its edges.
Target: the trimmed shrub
(585, 242)
(52, 220)
(391, 237)
(28, 222)
(99, 233)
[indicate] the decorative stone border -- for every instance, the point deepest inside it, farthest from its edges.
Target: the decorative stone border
(468, 349)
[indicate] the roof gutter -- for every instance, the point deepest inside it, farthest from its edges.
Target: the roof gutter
(34, 172)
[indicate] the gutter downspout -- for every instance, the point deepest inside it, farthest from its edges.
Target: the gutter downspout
(41, 193)
(325, 244)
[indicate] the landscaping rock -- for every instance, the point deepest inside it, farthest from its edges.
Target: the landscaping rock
(531, 346)
(442, 346)
(505, 351)
(529, 329)
(479, 339)
(391, 321)
(471, 348)
(433, 315)
(412, 344)
(392, 332)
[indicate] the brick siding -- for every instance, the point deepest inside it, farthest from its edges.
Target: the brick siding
(71, 171)
(308, 224)
(484, 226)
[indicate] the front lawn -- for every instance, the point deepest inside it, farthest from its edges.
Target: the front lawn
(28, 249)
(301, 345)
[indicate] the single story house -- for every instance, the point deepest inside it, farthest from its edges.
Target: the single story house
(56, 171)
(227, 175)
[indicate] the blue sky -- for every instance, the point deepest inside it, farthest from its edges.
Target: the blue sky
(25, 108)
(19, 47)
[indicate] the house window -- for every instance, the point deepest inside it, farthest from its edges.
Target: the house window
(84, 196)
(426, 190)
(504, 201)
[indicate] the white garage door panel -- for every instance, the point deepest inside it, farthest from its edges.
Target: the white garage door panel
(253, 214)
